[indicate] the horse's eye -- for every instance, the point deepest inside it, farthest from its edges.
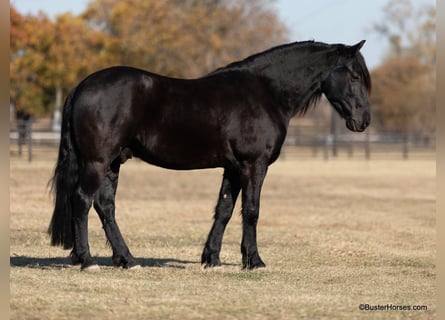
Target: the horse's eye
(355, 77)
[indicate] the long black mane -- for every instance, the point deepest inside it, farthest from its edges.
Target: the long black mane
(282, 49)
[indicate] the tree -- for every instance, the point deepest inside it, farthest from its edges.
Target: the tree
(184, 38)
(410, 31)
(404, 85)
(47, 57)
(403, 96)
(27, 61)
(17, 33)
(75, 51)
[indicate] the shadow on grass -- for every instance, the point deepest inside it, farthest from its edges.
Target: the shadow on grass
(60, 262)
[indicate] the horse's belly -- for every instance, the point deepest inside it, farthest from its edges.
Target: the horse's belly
(182, 152)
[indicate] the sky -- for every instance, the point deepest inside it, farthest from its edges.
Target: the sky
(330, 21)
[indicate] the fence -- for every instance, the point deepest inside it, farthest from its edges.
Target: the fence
(301, 142)
(310, 142)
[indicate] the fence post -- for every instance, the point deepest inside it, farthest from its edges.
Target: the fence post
(334, 133)
(405, 146)
(21, 126)
(367, 146)
(314, 148)
(350, 146)
(29, 132)
(326, 147)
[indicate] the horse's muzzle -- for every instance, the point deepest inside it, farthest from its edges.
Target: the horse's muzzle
(353, 125)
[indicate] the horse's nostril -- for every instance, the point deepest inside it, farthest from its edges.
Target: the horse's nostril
(365, 124)
(367, 119)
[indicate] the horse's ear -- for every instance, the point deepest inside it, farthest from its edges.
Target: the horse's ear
(351, 51)
(358, 46)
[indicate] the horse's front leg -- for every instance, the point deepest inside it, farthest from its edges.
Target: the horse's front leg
(104, 204)
(228, 194)
(251, 181)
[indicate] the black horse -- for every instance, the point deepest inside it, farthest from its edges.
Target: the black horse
(235, 118)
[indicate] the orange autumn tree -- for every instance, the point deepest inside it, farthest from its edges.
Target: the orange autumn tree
(27, 61)
(49, 56)
(403, 96)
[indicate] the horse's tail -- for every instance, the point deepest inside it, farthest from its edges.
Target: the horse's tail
(63, 183)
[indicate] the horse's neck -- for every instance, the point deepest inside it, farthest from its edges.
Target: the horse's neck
(295, 81)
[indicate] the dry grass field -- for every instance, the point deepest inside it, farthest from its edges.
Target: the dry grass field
(334, 235)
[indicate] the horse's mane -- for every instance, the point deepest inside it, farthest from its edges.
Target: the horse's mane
(274, 50)
(312, 102)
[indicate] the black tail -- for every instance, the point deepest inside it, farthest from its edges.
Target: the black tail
(63, 183)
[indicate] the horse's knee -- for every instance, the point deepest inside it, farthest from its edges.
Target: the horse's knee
(250, 214)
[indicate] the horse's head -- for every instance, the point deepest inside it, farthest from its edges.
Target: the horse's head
(347, 88)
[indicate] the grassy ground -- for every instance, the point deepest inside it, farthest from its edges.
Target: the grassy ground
(333, 234)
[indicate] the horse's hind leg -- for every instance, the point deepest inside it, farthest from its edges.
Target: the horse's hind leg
(104, 203)
(81, 203)
(229, 191)
(80, 254)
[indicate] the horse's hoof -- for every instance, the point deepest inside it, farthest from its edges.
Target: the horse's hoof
(211, 265)
(210, 262)
(254, 265)
(210, 268)
(92, 268)
(70, 265)
(258, 268)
